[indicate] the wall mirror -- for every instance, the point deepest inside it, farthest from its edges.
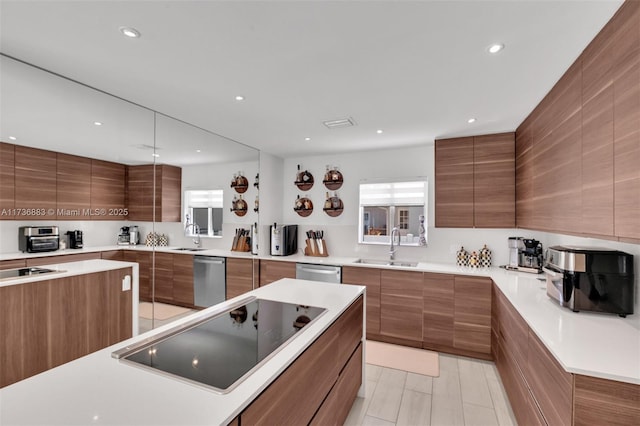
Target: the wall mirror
(203, 211)
(387, 204)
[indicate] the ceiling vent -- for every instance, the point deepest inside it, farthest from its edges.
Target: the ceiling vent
(145, 146)
(342, 122)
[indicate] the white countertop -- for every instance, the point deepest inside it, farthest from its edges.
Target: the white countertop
(98, 389)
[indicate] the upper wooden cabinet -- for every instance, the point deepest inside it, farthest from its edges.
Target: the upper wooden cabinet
(35, 183)
(73, 189)
(475, 181)
(108, 183)
(7, 180)
(167, 189)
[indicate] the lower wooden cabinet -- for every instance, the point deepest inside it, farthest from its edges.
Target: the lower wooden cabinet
(316, 378)
(273, 270)
(50, 260)
(162, 277)
(183, 280)
(239, 276)
(144, 261)
(601, 401)
(401, 305)
(13, 264)
(112, 255)
(472, 314)
(48, 323)
(370, 278)
(438, 311)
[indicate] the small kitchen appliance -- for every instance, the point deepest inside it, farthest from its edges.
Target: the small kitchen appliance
(37, 239)
(590, 279)
(75, 239)
(531, 258)
(284, 239)
(134, 235)
(123, 236)
(515, 245)
(254, 238)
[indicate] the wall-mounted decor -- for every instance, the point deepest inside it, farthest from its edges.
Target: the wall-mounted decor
(333, 205)
(303, 206)
(239, 206)
(333, 178)
(239, 183)
(304, 179)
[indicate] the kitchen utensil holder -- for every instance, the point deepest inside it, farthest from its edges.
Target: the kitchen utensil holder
(241, 244)
(312, 249)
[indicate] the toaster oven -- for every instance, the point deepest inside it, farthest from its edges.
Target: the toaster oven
(38, 239)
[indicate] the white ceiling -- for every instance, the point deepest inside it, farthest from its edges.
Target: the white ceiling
(418, 70)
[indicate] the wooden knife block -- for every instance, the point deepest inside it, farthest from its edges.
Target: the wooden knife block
(241, 244)
(312, 249)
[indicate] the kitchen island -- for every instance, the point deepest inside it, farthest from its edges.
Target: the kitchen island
(98, 389)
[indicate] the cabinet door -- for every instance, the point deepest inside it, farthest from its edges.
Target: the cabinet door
(437, 314)
(273, 270)
(512, 330)
(67, 315)
(143, 259)
(112, 255)
(369, 277)
(169, 194)
(524, 174)
(163, 277)
(494, 181)
(73, 176)
(472, 314)
(108, 185)
(11, 322)
(183, 279)
(140, 192)
(12, 264)
(239, 276)
(454, 183)
(7, 180)
(600, 401)
(35, 183)
(401, 302)
(50, 260)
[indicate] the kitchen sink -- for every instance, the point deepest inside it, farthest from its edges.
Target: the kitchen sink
(402, 263)
(190, 249)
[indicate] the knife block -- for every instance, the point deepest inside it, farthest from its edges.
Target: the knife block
(312, 249)
(241, 244)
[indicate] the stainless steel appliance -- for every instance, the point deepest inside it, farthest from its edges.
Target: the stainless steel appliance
(284, 239)
(590, 279)
(324, 273)
(515, 245)
(209, 280)
(531, 258)
(123, 236)
(134, 235)
(220, 351)
(37, 239)
(75, 239)
(254, 238)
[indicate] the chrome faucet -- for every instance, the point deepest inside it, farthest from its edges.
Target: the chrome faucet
(392, 249)
(196, 229)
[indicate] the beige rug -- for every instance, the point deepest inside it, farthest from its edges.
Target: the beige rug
(162, 311)
(404, 358)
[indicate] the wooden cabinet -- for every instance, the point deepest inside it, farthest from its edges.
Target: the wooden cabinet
(7, 181)
(601, 401)
(183, 279)
(401, 303)
(369, 277)
(47, 323)
(438, 311)
(145, 265)
(52, 260)
(472, 314)
(239, 276)
(112, 255)
(524, 174)
(159, 185)
(273, 270)
(108, 184)
(73, 189)
(35, 183)
(162, 277)
(13, 263)
(316, 378)
(475, 181)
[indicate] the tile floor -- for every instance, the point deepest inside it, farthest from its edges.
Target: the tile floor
(145, 324)
(468, 392)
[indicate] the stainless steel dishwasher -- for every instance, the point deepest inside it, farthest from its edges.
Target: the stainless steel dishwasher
(209, 280)
(324, 273)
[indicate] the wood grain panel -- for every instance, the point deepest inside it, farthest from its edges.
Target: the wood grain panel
(349, 327)
(494, 181)
(454, 183)
(369, 277)
(472, 314)
(154, 186)
(162, 278)
(98, 307)
(13, 263)
(550, 384)
(273, 270)
(7, 181)
(600, 401)
(112, 255)
(120, 306)
(437, 318)
(73, 189)
(170, 194)
(35, 183)
(36, 314)
(108, 188)
(67, 320)
(65, 258)
(183, 279)
(11, 323)
(140, 192)
(524, 174)
(401, 303)
(239, 276)
(513, 330)
(144, 261)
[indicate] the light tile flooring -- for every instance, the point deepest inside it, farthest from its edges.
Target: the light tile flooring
(468, 392)
(146, 324)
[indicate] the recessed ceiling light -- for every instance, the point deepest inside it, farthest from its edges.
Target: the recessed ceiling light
(471, 120)
(155, 155)
(495, 48)
(197, 150)
(239, 98)
(307, 139)
(13, 138)
(379, 131)
(97, 123)
(130, 32)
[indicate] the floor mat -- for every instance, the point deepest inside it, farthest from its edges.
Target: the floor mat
(414, 360)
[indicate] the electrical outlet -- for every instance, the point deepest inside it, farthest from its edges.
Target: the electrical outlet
(126, 283)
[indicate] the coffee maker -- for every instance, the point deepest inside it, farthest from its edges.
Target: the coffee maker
(75, 239)
(123, 236)
(515, 246)
(531, 258)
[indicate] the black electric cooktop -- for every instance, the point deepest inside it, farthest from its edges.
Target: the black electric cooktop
(226, 348)
(23, 272)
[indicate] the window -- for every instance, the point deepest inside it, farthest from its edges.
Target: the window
(204, 209)
(387, 205)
